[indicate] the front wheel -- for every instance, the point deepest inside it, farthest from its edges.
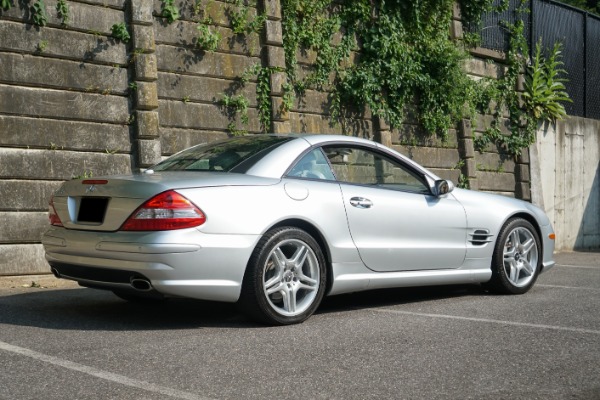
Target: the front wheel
(517, 258)
(285, 279)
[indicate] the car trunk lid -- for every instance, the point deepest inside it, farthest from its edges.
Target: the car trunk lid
(105, 203)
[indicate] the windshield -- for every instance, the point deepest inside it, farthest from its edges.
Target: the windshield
(231, 155)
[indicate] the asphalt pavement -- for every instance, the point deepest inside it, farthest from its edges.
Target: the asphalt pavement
(59, 341)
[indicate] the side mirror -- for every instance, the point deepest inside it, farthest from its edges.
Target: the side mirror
(442, 187)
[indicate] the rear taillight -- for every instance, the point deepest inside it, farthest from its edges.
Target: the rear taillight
(164, 212)
(52, 215)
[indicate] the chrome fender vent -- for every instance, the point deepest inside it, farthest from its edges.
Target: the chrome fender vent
(480, 237)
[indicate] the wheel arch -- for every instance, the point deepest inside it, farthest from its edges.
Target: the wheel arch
(313, 231)
(533, 221)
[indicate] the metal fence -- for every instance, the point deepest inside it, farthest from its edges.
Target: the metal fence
(550, 21)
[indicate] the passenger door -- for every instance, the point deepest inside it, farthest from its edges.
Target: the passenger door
(395, 221)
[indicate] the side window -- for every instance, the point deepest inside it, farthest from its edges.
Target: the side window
(313, 165)
(366, 167)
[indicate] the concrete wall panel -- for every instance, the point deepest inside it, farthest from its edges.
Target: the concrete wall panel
(83, 17)
(173, 139)
(566, 181)
(315, 123)
(22, 259)
(431, 157)
(59, 165)
(22, 227)
(26, 195)
(219, 65)
(177, 114)
(19, 131)
(202, 89)
(185, 33)
(38, 102)
(28, 70)
(62, 43)
(496, 181)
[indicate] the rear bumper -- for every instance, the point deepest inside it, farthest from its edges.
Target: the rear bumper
(185, 263)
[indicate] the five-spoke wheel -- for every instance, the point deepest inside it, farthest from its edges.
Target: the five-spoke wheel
(291, 277)
(516, 260)
(285, 279)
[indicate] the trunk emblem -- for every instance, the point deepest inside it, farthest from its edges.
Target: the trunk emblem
(90, 189)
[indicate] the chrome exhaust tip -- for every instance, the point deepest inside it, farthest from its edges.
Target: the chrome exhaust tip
(142, 285)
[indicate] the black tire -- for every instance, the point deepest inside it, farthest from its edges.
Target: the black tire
(139, 298)
(300, 280)
(517, 258)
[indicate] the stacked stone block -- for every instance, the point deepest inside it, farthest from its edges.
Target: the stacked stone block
(64, 111)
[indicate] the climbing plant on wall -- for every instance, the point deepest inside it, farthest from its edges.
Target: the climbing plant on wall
(385, 57)
(389, 57)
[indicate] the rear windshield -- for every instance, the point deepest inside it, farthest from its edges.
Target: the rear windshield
(231, 155)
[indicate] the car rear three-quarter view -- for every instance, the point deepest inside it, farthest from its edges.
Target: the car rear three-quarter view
(277, 222)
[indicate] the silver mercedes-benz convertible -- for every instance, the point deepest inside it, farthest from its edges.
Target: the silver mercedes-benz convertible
(277, 222)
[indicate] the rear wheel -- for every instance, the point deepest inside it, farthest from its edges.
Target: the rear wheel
(285, 279)
(517, 258)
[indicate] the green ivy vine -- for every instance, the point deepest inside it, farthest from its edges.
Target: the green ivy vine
(393, 59)
(119, 31)
(406, 58)
(390, 57)
(239, 15)
(208, 38)
(62, 10)
(39, 15)
(541, 99)
(170, 11)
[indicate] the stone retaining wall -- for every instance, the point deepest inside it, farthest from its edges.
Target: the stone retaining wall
(74, 101)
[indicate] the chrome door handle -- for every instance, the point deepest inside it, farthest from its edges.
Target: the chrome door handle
(361, 202)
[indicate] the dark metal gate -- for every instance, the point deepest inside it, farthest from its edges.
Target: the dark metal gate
(550, 21)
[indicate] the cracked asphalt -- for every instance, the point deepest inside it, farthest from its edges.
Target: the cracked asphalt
(59, 341)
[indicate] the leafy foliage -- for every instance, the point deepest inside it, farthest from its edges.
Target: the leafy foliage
(40, 17)
(496, 96)
(62, 9)
(526, 110)
(119, 31)
(6, 5)
(170, 11)
(208, 39)
(544, 90)
(390, 57)
(236, 105)
(240, 20)
(42, 45)
(405, 58)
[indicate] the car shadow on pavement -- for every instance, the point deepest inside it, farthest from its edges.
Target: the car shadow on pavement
(91, 309)
(396, 296)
